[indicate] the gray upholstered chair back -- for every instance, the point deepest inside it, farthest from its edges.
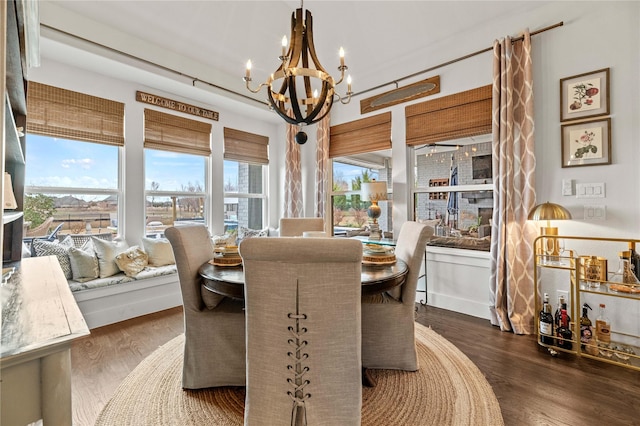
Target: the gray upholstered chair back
(214, 347)
(388, 339)
(192, 247)
(412, 242)
(296, 226)
(302, 301)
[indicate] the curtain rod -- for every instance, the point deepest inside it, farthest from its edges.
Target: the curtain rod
(196, 79)
(453, 61)
(192, 78)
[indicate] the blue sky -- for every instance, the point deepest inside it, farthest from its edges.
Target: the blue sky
(64, 163)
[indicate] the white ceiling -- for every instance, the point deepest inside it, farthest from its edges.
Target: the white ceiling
(212, 40)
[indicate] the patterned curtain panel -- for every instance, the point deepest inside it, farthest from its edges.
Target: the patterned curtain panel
(293, 205)
(514, 164)
(323, 180)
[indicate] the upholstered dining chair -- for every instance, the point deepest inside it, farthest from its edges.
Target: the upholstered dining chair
(388, 340)
(302, 298)
(214, 347)
(296, 226)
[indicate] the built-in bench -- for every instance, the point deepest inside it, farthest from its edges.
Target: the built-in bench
(105, 301)
(119, 297)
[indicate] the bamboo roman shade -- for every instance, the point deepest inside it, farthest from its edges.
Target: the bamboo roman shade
(177, 134)
(455, 116)
(61, 113)
(245, 147)
(364, 135)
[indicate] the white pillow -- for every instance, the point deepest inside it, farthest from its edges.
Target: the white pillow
(106, 252)
(159, 250)
(84, 264)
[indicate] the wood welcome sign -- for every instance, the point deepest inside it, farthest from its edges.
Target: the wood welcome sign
(175, 105)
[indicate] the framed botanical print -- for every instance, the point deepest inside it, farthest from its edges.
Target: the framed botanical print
(584, 95)
(587, 143)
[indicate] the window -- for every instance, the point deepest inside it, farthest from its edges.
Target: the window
(349, 211)
(174, 188)
(175, 160)
(75, 182)
(360, 152)
(73, 154)
(245, 176)
(453, 186)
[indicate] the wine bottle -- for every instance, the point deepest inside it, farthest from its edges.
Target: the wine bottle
(557, 315)
(546, 322)
(603, 326)
(586, 331)
(563, 331)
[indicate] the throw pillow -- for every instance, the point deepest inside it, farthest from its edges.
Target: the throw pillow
(250, 233)
(106, 252)
(84, 264)
(58, 249)
(159, 250)
(132, 261)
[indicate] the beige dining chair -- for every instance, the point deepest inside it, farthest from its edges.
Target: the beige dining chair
(388, 340)
(302, 298)
(296, 226)
(214, 347)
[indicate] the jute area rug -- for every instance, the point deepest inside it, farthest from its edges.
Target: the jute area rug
(448, 389)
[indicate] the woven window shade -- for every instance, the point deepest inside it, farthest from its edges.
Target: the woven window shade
(245, 147)
(177, 134)
(61, 113)
(364, 135)
(455, 116)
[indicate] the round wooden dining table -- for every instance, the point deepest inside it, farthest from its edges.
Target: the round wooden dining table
(229, 280)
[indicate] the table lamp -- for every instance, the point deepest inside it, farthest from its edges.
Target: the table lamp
(549, 211)
(374, 191)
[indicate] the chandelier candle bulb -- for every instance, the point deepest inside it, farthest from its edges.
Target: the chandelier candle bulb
(341, 58)
(284, 48)
(247, 75)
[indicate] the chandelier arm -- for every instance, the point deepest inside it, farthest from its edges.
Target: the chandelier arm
(247, 80)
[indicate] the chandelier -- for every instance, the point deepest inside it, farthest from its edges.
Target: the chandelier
(301, 91)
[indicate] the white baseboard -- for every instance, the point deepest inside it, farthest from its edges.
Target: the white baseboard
(111, 304)
(463, 306)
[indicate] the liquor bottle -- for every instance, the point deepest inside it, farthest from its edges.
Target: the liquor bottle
(634, 258)
(586, 331)
(603, 326)
(546, 322)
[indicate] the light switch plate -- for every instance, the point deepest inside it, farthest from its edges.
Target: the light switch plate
(590, 190)
(595, 212)
(567, 186)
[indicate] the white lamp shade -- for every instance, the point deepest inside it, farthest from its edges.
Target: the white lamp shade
(373, 191)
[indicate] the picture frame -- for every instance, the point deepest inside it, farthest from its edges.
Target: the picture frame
(587, 143)
(584, 95)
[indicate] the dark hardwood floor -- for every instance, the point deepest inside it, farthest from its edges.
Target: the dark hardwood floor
(533, 388)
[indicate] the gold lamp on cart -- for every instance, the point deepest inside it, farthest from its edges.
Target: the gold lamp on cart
(549, 211)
